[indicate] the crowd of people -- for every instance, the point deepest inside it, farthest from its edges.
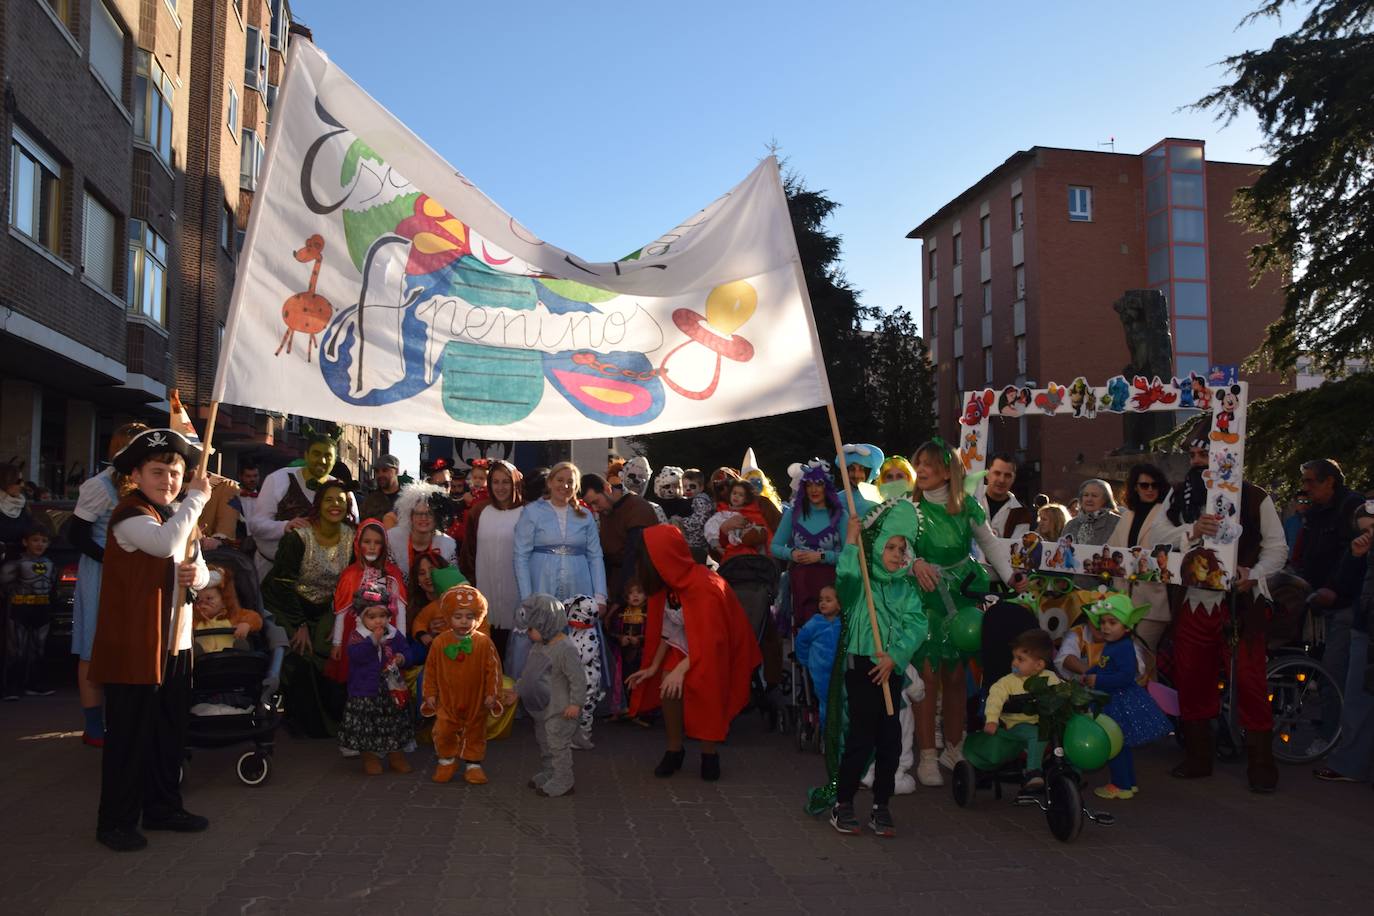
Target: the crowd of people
(427, 612)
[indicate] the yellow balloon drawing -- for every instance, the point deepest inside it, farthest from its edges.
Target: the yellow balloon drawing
(730, 305)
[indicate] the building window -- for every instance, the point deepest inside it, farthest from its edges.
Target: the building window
(1022, 434)
(985, 231)
(147, 284)
(1080, 204)
(1018, 214)
(987, 365)
(958, 311)
(1021, 355)
(1021, 282)
(987, 298)
(99, 241)
(255, 60)
(959, 373)
(226, 230)
(271, 104)
(934, 328)
(153, 94)
(232, 120)
(35, 192)
(958, 248)
(933, 263)
(281, 24)
(250, 160)
(107, 49)
(62, 9)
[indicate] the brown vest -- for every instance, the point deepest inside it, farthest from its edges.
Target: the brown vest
(1248, 548)
(133, 628)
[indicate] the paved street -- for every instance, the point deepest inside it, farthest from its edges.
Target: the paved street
(321, 838)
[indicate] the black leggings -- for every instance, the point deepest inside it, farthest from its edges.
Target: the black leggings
(871, 732)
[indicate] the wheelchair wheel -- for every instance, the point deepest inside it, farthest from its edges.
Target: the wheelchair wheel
(1299, 691)
(964, 781)
(1064, 808)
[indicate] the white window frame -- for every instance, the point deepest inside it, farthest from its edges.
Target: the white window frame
(49, 170)
(987, 298)
(100, 266)
(143, 248)
(1080, 203)
(155, 107)
(987, 365)
(985, 232)
(959, 314)
(958, 248)
(251, 155)
(1022, 356)
(232, 117)
(98, 8)
(1018, 213)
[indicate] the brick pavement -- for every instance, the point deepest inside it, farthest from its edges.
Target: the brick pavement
(321, 838)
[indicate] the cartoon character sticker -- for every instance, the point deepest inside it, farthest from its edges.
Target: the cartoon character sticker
(1149, 393)
(1027, 552)
(979, 407)
(1013, 401)
(1224, 426)
(969, 453)
(1083, 399)
(1202, 568)
(1118, 395)
(1050, 399)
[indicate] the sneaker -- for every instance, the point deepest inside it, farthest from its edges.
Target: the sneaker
(91, 741)
(880, 822)
(444, 773)
(122, 839)
(928, 770)
(843, 820)
(951, 755)
(347, 752)
(474, 775)
(1110, 791)
(904, 783)
(181, 821)
(1329, 775)
(1034, 781)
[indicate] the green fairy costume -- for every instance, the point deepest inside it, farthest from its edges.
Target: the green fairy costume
(946, 541)
(902, 625)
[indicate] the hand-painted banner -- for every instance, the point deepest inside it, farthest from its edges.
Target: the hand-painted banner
(378, 286)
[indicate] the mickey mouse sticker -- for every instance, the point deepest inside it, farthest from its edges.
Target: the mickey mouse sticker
(1224, 425)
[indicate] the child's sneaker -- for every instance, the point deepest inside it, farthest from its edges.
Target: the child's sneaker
(1114, 792)
(928, 770)
(474, 775)
(880, 822)
(444, 772)
(843, 820)
(1034, 781)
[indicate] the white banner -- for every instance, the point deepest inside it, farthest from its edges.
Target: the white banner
(379, 287)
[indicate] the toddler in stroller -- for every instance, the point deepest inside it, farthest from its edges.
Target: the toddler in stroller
(235, 696)
(754, 580)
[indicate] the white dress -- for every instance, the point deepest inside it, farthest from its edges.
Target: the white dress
(495, 564)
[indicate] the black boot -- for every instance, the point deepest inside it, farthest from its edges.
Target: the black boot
(670, 764)
(1261, 770)
(710, 767)
(1198, 750)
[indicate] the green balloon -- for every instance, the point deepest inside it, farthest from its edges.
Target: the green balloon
(966, 630)
(1086, 743)
(1108, 725)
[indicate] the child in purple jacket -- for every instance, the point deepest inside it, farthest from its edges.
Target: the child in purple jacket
(377, 718)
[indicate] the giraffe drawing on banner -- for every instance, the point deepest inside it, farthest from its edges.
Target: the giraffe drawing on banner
(308, 311)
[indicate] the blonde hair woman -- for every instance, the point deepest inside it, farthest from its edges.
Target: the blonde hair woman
(557, 552)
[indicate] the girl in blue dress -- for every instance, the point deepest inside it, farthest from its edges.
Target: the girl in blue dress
(1118, 673)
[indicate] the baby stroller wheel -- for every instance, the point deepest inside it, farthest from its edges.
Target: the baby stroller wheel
(964, 781)
(1064, 808)
(254, 768)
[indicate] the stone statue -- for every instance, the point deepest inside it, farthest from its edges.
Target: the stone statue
(1145, 318)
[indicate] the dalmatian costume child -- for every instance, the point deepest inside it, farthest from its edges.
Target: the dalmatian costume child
(585, 632)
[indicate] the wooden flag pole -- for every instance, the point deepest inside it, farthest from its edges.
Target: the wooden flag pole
(179, 595)
(863, 561)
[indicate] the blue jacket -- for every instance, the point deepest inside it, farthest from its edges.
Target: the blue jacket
(816, 644)
(365, 661)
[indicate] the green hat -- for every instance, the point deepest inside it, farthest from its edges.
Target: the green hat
(1118, 605)
(894, 517)
(445, 578)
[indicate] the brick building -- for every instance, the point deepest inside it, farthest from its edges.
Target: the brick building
(1021, 270)
(135, 133)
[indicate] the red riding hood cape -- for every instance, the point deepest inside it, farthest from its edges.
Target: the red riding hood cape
(349, 581)
(721, 645)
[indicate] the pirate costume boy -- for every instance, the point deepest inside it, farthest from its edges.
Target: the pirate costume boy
(142, 650)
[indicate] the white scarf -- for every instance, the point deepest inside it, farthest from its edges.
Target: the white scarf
(12, 505)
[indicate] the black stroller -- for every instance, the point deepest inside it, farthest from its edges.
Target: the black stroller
(754, 580)
(235, 693)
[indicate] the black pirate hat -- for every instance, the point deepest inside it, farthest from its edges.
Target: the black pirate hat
(154, 442)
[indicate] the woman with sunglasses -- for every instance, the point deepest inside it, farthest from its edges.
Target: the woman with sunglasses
(1143, 524)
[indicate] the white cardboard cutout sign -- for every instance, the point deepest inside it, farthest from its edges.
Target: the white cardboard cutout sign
(1211, 565)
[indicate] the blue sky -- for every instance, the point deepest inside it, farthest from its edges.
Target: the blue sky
(600, 125)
